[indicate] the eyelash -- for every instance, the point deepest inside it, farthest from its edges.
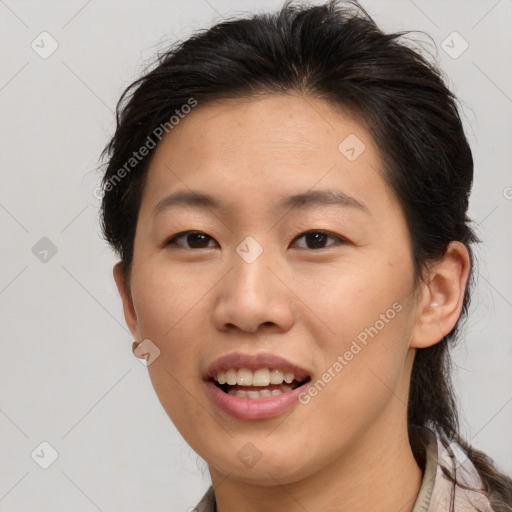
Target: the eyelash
(172, 240)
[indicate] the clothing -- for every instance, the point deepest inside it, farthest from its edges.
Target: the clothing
(436, 491)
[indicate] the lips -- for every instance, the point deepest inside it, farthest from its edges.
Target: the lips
(253, 387)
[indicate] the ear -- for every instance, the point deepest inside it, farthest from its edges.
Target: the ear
(125, 293)
(441, 299)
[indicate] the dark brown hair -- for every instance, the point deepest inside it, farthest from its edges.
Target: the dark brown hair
(337, 53)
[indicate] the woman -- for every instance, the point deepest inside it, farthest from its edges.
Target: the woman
(288, 197)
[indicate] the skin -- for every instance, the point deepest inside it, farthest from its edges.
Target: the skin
(307, 304)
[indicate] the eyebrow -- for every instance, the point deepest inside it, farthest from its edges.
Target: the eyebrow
(302, 200)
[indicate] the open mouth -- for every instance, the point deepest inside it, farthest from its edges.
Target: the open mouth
(259, 384)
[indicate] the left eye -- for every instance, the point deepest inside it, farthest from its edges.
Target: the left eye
(199, 240)
(318, 238)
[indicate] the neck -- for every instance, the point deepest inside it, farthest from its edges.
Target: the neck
(378, 473)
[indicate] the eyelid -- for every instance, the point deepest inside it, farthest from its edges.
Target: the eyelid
(172, 239)
(341, 240)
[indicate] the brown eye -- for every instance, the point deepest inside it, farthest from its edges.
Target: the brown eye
(317, 238)
(195, 239)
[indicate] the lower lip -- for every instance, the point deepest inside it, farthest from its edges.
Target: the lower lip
(253, 408)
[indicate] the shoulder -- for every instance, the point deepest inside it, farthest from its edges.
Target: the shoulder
(457, 485)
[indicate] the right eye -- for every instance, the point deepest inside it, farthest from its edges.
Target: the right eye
(196, 239)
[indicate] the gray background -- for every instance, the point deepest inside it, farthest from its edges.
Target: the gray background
(68, 376)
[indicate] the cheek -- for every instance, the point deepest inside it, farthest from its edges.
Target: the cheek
(361, 383)
(359, 300)
(369, 315)
(164, 299)
(171, 314)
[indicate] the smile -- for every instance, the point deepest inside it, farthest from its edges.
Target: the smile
(263, 382)
(255, 386)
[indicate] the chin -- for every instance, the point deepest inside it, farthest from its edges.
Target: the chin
(278, 468)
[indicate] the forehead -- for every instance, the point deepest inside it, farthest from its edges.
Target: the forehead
(290, 127)
(264, 148)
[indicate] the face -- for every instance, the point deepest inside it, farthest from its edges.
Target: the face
(324, 283)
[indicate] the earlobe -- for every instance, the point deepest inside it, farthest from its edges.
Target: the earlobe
(125, 293)
(442, 298)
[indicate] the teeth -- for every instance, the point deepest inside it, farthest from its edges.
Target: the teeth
(260, 377)
(259, 394)
(231, 377)
(276, 377)
(288, 377)
(244, 377)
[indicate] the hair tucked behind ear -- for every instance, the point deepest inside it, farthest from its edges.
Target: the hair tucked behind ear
(337, 53)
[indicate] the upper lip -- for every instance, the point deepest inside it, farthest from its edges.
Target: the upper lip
(254, 362)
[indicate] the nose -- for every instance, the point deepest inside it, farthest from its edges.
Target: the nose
(254, 295)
